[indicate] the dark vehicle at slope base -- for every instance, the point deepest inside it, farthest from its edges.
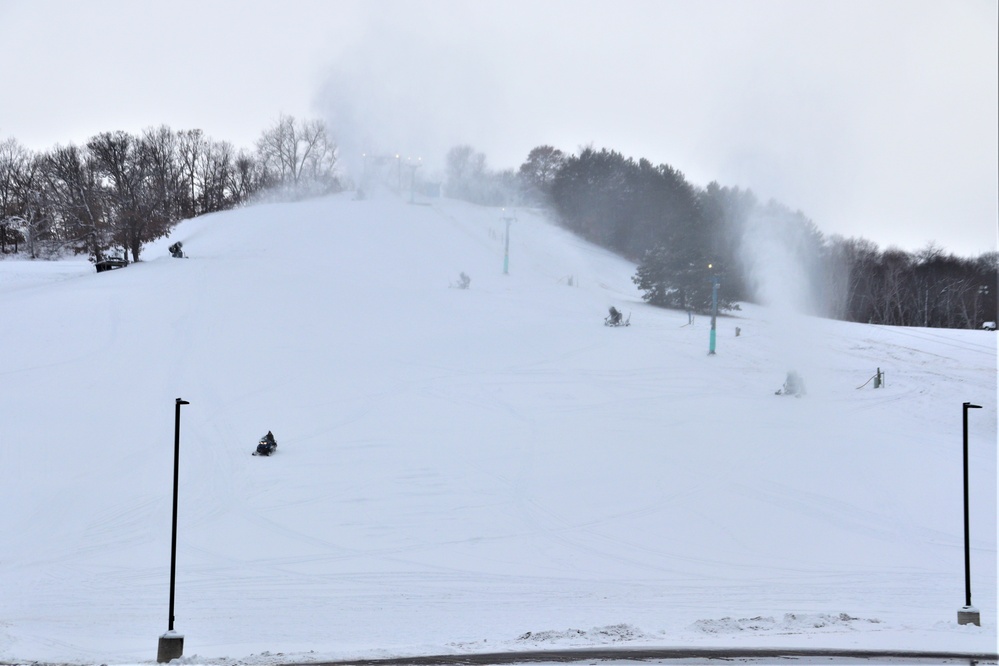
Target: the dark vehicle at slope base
(110, 263)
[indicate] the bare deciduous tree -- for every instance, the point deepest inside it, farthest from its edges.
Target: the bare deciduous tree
(73, 199)
(299, 156)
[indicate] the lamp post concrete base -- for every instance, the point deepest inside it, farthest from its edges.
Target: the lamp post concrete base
(969, 615)
(171, 647)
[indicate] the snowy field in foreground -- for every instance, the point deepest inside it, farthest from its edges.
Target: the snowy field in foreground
(480, 470)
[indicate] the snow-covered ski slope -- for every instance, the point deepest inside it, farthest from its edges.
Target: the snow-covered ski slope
(467, 470)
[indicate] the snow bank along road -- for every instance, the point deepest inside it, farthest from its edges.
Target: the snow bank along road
(686, 656)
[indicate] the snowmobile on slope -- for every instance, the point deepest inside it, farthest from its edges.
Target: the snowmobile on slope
(266, 446)
(615, 318)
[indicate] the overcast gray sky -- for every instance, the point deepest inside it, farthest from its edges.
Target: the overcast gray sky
(876, 118)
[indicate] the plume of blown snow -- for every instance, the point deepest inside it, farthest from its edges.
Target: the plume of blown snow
(780, 252)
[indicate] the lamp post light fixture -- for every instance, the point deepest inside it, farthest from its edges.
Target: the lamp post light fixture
(171, 645)
(968, 614)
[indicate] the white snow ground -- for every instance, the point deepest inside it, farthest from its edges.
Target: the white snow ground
(471, 470)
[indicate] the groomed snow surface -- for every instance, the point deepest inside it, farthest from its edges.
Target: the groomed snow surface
(467, 470)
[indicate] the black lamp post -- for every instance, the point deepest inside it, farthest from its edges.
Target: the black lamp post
(171, 645)
(968, 614)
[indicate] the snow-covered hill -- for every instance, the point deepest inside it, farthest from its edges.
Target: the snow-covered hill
(467, 470)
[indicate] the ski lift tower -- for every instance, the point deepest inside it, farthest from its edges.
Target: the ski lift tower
(714, 312)
(413, 165)
(506, 242)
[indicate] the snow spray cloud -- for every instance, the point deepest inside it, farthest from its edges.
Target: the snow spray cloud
(781, 252)
(400, 92)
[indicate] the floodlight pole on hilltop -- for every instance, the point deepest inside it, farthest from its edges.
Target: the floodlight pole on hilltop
(171, 645)
(968, 614)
